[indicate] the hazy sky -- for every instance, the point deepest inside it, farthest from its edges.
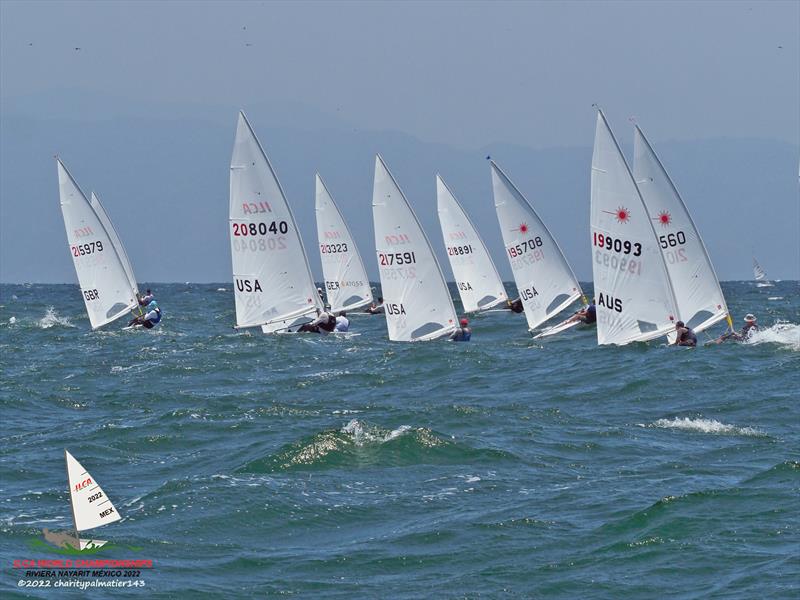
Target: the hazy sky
(460, 73)
(140, 99)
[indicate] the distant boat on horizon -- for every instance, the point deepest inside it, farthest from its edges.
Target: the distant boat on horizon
(760, 275)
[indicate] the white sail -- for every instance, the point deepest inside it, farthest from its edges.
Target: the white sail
(417, 302)
(544, 279)
(273, 286)
(107, 283)
(346, 282)
(700, 302)
(112, 234)
(758, 272)
(90, 506)
(634, 298)
(477, 279)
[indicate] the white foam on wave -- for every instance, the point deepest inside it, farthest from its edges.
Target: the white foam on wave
(12, 320)
(221, 290)
(51, 319)
(775, 298)
(365, 435)
(706, 426)
(783, 333)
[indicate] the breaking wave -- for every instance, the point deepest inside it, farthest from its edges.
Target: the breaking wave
(783, 333)
(359, 444)
(52, 319)
(707, 426)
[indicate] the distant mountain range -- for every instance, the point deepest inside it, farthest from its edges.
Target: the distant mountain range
(162, 173)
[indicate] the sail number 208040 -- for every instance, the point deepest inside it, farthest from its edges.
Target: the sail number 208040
(251, 229)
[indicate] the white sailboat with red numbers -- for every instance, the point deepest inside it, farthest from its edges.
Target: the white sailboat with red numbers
(634, 297)
(477, 279)
(273, 286)
(545, 281)
(700, 302)
(91, 508)
(416, 298)
(346, 282)
(105, 276)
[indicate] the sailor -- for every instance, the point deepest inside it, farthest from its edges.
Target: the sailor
(587, 315)
(463, 333)
(750, 327)
(149, 319)
(324, 323)
(515, 305)
(342, 322)
(686, 336)
(147, 298)
(376, 309)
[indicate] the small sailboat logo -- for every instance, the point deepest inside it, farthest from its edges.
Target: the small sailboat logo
(91, 508)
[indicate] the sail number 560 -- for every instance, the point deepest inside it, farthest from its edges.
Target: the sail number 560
(616, 244)
(246, 229)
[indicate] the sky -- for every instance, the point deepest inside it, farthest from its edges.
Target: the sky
(465, 75)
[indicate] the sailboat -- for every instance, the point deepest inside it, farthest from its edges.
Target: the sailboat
(477, 279)
(105, 275)
(760, 275)
(700, 302)
(416, 299)
(546, 282)
(273, 286)
(634, 297)
(346, 282)
(91, 508)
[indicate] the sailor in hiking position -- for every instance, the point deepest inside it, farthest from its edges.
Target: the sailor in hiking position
(750, 327)
(686, 336)
(376, 308)
(149, 319)
(463, 333)
(515, 305)
(342, 323)
(587, 315)
(324, 323)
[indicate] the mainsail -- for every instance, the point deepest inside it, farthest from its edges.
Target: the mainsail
(477, 280)
(700, 302)
(346, 282)
(417, 301)
(544, 279)
(104, 273)
(274, 288)
(634, 298)
(90, 506)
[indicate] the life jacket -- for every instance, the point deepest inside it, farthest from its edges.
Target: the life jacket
(330, 325)
(462, 335)
(157, 320)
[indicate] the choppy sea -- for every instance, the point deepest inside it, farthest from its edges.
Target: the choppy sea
(250, 465)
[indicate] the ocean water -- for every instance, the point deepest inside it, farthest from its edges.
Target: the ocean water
(248, 465)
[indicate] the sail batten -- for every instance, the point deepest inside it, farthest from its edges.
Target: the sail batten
(634, 297)
(700, 302)
(544, 278)
(105, 275)
(477, 279)
(272, 278)
(417, 301)
(346, 282)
